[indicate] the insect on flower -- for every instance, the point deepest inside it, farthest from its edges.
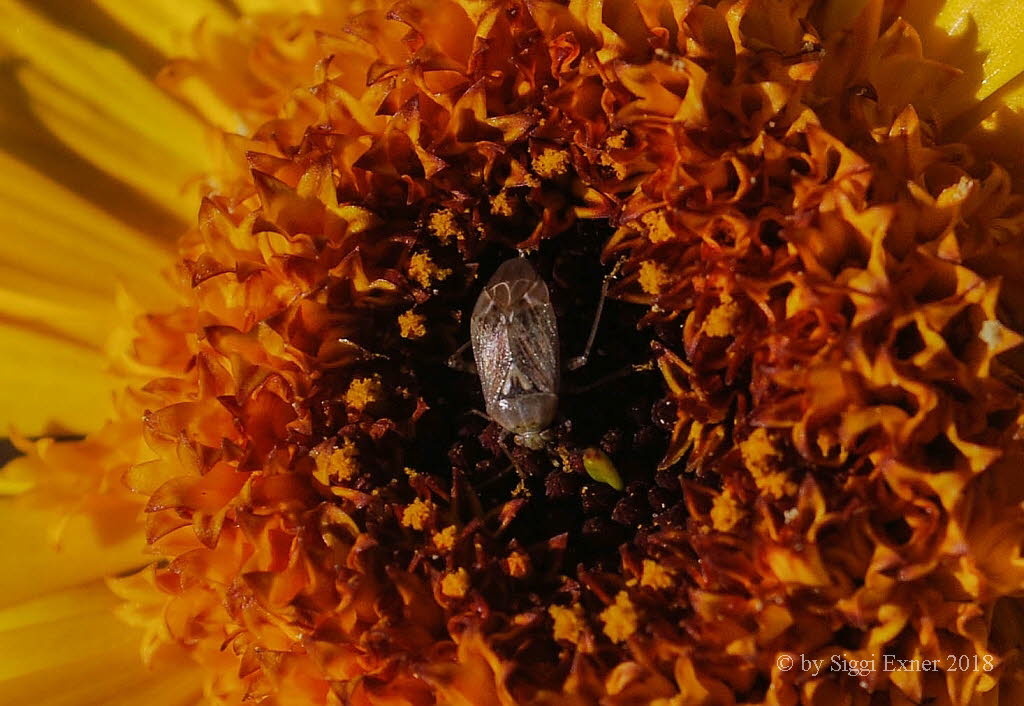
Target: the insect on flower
(514, 335)
(515, 344)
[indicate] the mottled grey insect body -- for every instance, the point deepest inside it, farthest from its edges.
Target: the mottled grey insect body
(515, 344)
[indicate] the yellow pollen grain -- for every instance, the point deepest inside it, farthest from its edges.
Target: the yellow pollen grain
(656, 226)
(362, 391)
(621, 168)
(620, 618)
(652, 276)
(338, 464)
(502, 205)
(720, 320)
(759, 454)
(423, 270)
(411, 325)
(551, 163)
(726, 511)
(417, 514)
(455, 584)
(516, 565)
(444, 226)
(618, 141)
(445, 539)
(655, 575)
(568, 622)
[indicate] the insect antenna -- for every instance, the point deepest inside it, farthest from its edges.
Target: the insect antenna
(581, 360)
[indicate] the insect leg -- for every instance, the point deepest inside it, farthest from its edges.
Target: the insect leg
(503, 443)
(457, 362)
(581, 360)
(611, 377)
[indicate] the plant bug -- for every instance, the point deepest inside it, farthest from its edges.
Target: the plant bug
(514, 334)
(515, 344)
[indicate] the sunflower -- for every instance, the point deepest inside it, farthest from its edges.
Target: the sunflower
(243, 239)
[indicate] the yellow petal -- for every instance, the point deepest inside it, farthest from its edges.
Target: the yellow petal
(34, 563)
(257, 6)
(166, 25)
(59, 262)
(980, 37)
(51, 384)
(104, 109)
(67, 648)
(61, 268)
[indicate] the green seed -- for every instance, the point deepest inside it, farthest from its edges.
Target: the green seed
(600, 468)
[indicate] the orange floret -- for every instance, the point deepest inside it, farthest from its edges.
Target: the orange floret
(423, 270)
(455, 584)
(411, 324)
(417, 514)
(516, 564)
(620, 618)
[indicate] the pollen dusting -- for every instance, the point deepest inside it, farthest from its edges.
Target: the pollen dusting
(336, 464)
(726, 511)
(362, 391)
(568, 622)
(621, 169)
(761, 457)
(652, 276)
(423, 270)
(418, 514)
(720, 320)
(444, 226)
(455, 584)
(411, 324)
(655, 575)
(618, 140)
(620, 618)
(502, 205)
(551, 163)
(656, 226)
(445, 539)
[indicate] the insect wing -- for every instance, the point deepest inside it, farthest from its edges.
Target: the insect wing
(533, 338)
(515, 340)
